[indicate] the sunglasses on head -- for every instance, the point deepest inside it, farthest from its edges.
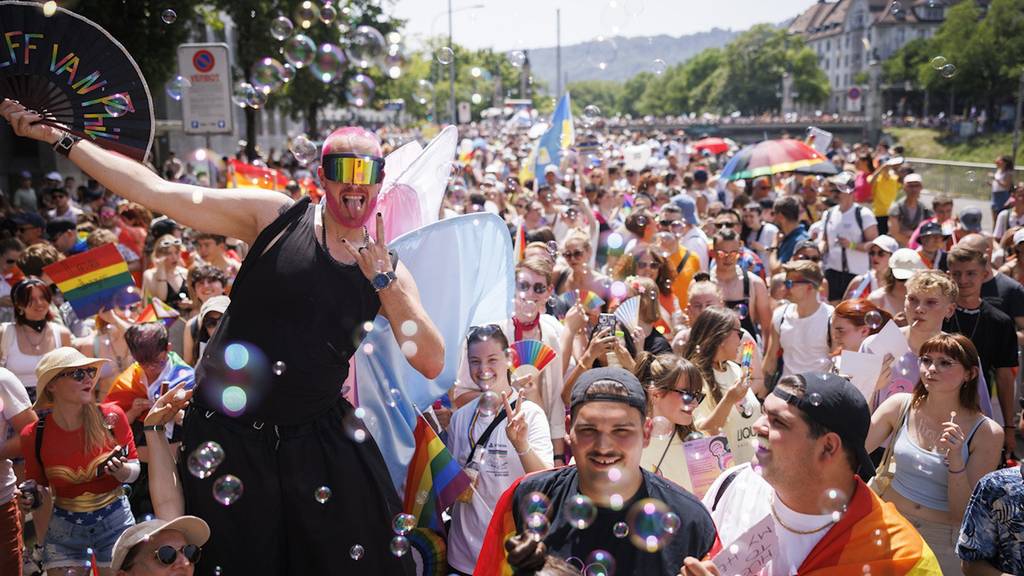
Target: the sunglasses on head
(79, 374)
(538, 287)
(482, 332)
(167, 554)
(353, 168)
(170, 243)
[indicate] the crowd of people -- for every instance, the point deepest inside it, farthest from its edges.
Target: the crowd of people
(843, 352)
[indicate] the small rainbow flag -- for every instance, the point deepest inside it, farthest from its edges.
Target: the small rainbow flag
(434, 481)
(531, 353)
(591, 302)
(158, 311)
(747, 354)
(520, 247)
(433, 551)
(92, 280)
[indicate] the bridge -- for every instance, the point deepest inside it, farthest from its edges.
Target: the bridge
(749, 132)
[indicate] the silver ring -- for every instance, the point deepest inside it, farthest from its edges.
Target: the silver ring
(361, 248)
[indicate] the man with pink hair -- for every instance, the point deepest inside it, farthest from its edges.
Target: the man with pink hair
(312, 279)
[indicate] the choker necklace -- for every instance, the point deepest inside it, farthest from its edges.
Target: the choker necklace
(794, 530)
(524, 327)
(36, 325)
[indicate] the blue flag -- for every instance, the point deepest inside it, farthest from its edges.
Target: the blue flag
(560, 136)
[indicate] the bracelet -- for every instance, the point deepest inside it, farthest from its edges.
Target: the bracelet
(156, 428)
(1009, 426)
(528, 450)
(958, 471)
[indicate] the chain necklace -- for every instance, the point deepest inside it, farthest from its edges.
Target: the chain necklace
(38, 345)
(794, 530)
(977, 321)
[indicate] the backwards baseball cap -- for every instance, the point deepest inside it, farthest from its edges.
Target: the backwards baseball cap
(970, 219)
(835, 404)
(635, 394)
(930, 229)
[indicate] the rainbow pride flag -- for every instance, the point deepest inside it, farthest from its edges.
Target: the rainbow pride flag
(93, 280)
(434, 481)
(158, 311)
(520, 247)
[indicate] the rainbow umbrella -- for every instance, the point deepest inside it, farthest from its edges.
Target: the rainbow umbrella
(713, 145)
(771, 157)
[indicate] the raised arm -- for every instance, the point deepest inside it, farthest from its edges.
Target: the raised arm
(236, 212)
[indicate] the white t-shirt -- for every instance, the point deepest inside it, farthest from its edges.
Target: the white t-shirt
(696, 241)
(844, 225)
(739, 426)
(746, 501)
(804, 340)
(14, 399)
(765, 236)
(500, 468)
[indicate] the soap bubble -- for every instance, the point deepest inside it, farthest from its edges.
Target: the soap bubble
(409, 348)
(267, 75)
(671, 522)
(423, 92)
(241, 93)
(602, 52)
(322, 494)
(742, 310)
(489, 404)
(815, 399)
(971, 176)
(647, 527)
(300, 50)
(227, 489)
(896, 8)
(356, 552)
(117, 105)
(177, 86)
(360, 90)
(329, 63)
(619, 289)
(658, 66)
(591, 115)
(304, 150)
(600, 563)
(256, 99)
(873, 319)
(234, 399)
(287, 72)
(948, 71)
(403, 524)
(168, 16)
(328, 14)
(445, 55)
(938, 62)
(205, 459)
(279, 368)
(306, 14)
(281, 28)
(535, 503)
(399, 545)
(580, 511)
(614, 475)
(366, 47)
(537, 524)
(516, 58)
(662, 428)
(833, 502)
(49, 8)
(620, 530)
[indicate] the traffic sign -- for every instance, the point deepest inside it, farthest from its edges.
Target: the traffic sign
(854, 93)
(206, 106)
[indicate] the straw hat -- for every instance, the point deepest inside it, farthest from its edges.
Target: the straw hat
(56, 361)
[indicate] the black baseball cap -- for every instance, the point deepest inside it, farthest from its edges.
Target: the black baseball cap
(930, 229)
(57, 227)
(635, 396)
(836, 404)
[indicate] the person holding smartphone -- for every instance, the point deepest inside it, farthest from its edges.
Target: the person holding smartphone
(79, 455)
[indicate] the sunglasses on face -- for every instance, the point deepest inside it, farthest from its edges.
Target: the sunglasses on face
(650, 265)
(806, 257)
(689, 397)
(353, 169)
(572, 254)
(538, 287)
(79, 374)
(170, 243)
(721, 225)
(670, 223)
(168, 554)
(790, 283)
(11, 261)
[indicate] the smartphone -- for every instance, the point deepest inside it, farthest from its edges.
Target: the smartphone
(163, 388)
(605, 321)
(119, 452)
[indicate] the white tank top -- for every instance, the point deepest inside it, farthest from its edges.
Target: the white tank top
(24, 365)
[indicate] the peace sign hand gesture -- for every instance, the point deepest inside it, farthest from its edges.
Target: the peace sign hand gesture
(517, 429)
(373, 257)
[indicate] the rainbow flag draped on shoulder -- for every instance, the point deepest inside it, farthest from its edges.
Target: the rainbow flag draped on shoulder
(850, 548)
(434, 481)
(131, 383)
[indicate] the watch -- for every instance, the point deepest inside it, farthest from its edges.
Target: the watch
(65, 143)
(383, 280)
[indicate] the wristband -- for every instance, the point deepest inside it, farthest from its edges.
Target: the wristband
(958, 471)
(528, 450)
(156, 428)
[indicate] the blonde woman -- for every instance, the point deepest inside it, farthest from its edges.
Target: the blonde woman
(79, 455)
(580, 275)
(675, 389)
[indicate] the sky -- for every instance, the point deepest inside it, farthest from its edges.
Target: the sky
(518, 24)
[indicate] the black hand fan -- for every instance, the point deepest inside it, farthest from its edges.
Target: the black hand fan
(76, 76)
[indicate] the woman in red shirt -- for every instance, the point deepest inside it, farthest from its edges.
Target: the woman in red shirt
(79, 455)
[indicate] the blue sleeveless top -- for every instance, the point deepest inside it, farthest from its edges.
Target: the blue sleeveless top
(921, 475)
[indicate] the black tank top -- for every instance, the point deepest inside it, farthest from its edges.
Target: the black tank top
(746, 322)
(299, 306)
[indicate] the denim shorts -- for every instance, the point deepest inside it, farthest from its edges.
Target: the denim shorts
(999, 200)
(74, 537)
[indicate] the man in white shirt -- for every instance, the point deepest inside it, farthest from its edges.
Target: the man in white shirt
(761, 235)
(15, 414)
(808, 477)
(847, 232)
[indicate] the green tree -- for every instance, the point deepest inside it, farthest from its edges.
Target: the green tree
(632, 91)
(604, 94)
